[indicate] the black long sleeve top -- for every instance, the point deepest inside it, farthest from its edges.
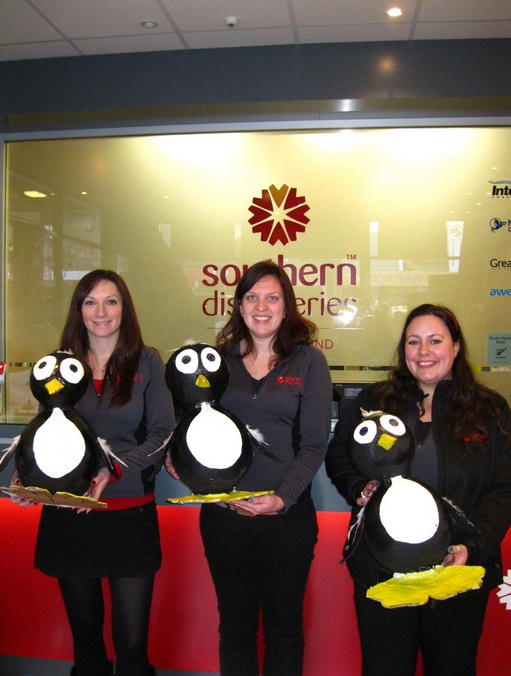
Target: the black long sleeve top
(474, 473)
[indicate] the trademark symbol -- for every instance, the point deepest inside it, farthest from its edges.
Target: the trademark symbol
(351, 257)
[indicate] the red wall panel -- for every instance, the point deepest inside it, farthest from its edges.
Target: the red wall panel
(184, 619)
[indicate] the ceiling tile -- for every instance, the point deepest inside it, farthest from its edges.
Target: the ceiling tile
(210, 15)
(128, 44)
(37, 50)
(465, 10)
(259, 38)
(102, 18)
(337, 12)
(19, 23)
(463, 30)
(354, 33)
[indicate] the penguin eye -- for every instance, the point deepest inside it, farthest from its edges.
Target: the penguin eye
(72, 370)
(365, 432)
(393, 424)
(44, 367)
(187, 361)
(210, 359)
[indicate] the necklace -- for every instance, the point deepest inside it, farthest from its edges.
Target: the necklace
(254, 367)
(257, 369)
(97, 366)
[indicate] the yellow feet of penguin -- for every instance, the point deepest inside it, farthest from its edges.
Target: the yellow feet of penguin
(415, 589)
(217, 497)
(59, 499)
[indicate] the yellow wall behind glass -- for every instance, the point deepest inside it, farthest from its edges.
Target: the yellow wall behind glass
(376, 222)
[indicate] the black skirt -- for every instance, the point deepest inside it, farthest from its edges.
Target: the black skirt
(117, 543)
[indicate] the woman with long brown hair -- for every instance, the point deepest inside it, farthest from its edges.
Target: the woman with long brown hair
(462, 433)
(260, 550)
(128, 404)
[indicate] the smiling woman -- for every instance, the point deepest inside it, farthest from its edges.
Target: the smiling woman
(462, 436)
(279, 385)
(127, 403)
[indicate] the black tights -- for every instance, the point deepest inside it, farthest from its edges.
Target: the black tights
(131, 607)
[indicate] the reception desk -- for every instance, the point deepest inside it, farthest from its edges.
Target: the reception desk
(184, 620)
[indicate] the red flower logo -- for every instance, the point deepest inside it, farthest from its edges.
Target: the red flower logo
(278, 215)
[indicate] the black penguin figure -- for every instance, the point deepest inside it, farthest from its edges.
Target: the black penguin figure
(58, 450)
(406, 524)
(210, 448)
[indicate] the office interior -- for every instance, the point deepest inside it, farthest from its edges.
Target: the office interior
(442, 84)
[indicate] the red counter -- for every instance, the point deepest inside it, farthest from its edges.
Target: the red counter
(184, 620)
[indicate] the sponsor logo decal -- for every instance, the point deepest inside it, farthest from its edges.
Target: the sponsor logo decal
(498, 223)
(500, 188)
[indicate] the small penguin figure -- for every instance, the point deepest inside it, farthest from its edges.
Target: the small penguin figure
(58, 451)
(210, 448)
(406, 525)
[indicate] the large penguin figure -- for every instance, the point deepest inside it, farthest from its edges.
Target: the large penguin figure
(210, 448)
(406, 524)
(58, 450)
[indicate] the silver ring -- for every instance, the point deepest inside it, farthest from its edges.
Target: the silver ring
(362, 494)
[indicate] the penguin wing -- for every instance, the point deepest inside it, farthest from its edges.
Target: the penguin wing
(354, 534)
(163, 451)
(107, 454)
(258, 439)
(8, 452)
(458, 520)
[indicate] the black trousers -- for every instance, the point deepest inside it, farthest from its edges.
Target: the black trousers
(260, 566)
(446, 632)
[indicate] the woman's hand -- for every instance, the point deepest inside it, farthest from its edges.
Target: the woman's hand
(17, 500)
(367, 492)
(170, 467)
(97, 486)
(264, 504)
(457, 555)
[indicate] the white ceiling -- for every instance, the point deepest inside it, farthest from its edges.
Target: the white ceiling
(36, 29)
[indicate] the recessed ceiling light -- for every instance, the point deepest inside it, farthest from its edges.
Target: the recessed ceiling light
(148, 24)
(34, 194)
(394, 12)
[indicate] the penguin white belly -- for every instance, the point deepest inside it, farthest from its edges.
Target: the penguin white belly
(408, 512)
(58, 445)
(213, 439)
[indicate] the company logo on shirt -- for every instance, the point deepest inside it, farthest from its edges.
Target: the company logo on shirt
(287, 380)
(278, 215)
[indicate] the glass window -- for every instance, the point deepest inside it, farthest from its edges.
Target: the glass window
(368, 223)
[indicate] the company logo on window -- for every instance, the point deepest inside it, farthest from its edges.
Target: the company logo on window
(498, 223)
(500, 188)
(278, 215)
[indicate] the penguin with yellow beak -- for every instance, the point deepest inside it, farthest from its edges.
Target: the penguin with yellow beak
(58, 451)
(211, 449)
(406, 525)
